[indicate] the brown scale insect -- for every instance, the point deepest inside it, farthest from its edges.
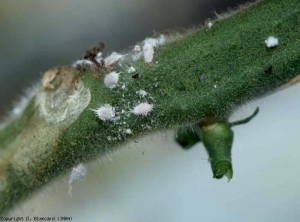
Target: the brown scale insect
(92, 53)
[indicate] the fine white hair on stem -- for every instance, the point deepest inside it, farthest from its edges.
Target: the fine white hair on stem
(111, 80)
(105, 112)
(271, 41)
(142, 109)
(78, 173)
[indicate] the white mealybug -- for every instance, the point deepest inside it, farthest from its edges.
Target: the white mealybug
(209, 25)
(148, 51)
(143, 109)
(99, 57)
(137, 52)
(112, 59)
(131, 69)
(111, 80)
(142, 93)
(137, 48)
(78, 173)
(105, 112)
(271, 41)
(161, 40)
(128, 131)
(149, 45)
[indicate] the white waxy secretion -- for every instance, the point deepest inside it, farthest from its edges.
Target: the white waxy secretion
(131, 69)
(271, 41)
(78, 173)
(105, 112)
(148, 51)
(142, 93)
(128, 131)
(143, 109)
(137, 52)
(112, 59)
(149, 45)
(111, 80)
(82, 62)
(99, 57)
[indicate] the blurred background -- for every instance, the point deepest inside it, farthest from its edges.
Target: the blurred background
(38, 35)
(152, 180)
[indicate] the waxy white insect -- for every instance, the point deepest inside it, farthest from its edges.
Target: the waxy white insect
(111, 80)
(149, 45)
(143, 109)
(105, 112)
(271, 41)
(131, 69)
(112, 59)
(99, 57)
(128, 131)
(78, 173)
(142, 93)
(137, 52)
(82, 62)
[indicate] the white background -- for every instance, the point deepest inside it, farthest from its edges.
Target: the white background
(154, 179)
